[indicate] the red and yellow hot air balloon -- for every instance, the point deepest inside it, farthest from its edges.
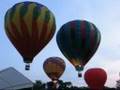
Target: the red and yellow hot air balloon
(54, 68)
(95, 78)
(29, 26)
(78, 40)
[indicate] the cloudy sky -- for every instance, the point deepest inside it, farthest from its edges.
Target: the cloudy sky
(105, 14)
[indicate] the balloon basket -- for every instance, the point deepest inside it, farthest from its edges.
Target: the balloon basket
(27, 67)
(79, 75)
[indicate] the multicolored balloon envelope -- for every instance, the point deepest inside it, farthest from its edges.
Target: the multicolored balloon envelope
(95, 78)
(54, 67)
(78, 40)
(29, 26)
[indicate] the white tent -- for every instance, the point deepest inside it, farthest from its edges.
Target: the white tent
(11, 79)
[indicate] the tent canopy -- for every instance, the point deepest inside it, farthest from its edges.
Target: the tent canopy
(11, 79)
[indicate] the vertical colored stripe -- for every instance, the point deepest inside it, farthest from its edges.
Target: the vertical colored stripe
(50, 25)
(23, 10)
(83, 38)
(16, 18)
(78, 38)
(40, 21)
(7, 24)
(88, 30)
(66, 40)
(60, 41)
(44, 29)
(34, 38)
(28, 18)
(52, 29)
(92, 34)
(74, 41)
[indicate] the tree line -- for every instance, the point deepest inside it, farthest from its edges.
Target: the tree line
(61, 85)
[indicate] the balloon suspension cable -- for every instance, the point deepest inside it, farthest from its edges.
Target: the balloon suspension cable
(27, 66)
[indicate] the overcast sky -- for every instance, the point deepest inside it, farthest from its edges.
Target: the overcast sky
(105, 14)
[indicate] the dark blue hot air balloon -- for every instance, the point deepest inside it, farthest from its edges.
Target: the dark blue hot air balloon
(78, 40)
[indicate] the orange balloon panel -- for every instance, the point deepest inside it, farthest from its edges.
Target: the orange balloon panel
(54, 67)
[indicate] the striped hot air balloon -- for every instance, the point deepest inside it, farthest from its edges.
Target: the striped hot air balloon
(78, 40)
(54, 67)
(29, 26)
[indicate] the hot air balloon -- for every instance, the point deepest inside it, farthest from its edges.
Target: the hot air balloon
(95, 78)
(78, 40)
(29, 26)
(54, 68)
